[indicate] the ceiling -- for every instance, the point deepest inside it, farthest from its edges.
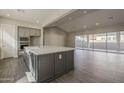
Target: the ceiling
(83, 19)
(35, 16)
(67, 19)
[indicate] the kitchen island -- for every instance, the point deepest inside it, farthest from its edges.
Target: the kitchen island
(49, 62)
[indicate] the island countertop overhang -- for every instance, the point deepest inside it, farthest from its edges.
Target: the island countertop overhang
(42, 50)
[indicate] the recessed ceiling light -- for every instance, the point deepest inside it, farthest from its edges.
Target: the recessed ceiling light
(97, 24)
(8, 15)
(85, 12)
(84, 26)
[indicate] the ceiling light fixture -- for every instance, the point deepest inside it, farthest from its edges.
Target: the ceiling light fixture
(8, 15)
(85, 12)
(97, 24)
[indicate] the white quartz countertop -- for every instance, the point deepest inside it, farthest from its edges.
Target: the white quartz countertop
(41, 50)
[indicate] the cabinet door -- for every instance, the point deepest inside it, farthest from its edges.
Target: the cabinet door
(23, 32)
(59, 63)
(35, 32)
(69, 60)
(32, 32)
(46, 67)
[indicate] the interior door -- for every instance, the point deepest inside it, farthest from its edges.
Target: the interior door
(8, 41)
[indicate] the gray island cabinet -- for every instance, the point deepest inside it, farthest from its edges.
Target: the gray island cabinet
(48, 63)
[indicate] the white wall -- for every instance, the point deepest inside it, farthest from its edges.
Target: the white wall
(20, 23)
(113, 28)
(55, 37)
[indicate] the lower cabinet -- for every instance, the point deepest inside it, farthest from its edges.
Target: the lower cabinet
(69, 61)
(50, 66)
(60, 60)
(46, 67)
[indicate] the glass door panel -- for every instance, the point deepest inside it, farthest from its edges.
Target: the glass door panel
(112, 41)
(91, 40)
(122, 41)
(79, 41)
(85, 41)
(100, 41)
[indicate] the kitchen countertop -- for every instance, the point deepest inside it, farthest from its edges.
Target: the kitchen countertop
(41, 50)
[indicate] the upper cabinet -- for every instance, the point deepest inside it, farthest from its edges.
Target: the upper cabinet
(24, 32)
(35, 32)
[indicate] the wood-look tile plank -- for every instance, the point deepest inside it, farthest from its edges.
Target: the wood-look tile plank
(11, 70)
(95, 67)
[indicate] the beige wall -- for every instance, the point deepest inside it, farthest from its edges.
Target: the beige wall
(55, 37)
(71, 35)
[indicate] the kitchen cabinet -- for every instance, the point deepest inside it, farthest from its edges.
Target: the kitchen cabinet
(46, 67)
(60, 60)
(23, 32)
(69, 61)
(27, 32)
(35, 32)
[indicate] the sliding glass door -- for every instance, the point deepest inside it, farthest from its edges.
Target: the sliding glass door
(79, 41)
(110, 41)
(91, 40)
(122, 41)
(100, 41)
(112, 44)
(85, 41)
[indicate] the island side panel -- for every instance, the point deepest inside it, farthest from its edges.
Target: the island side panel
(45, 67)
